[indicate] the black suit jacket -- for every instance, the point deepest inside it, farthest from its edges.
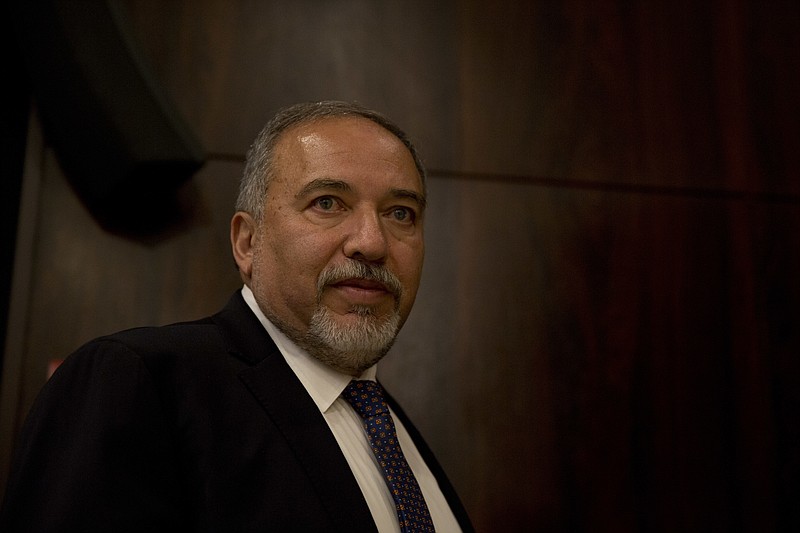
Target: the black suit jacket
(199, 426)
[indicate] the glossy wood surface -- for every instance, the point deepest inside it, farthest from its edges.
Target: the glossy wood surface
(607, 334)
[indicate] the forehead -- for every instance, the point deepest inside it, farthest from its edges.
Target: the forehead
(343, 144)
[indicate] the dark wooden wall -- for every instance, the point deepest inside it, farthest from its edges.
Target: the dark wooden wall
(607, 334)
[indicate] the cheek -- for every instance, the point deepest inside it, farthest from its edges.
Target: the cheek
(294, 259)
(284, 282)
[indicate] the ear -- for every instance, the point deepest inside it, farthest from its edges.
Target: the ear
(243, 234)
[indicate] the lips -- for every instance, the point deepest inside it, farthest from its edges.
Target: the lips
(357, 291)
(358, 283)
(363, 284)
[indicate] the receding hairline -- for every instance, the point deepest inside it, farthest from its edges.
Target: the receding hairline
(305, 113)
(285, 136)
(260, 161)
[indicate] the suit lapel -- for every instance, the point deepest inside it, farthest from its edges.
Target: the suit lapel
(291, 409)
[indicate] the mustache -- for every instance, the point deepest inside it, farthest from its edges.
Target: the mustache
(358, 270)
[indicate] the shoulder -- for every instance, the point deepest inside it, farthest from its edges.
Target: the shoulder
(180, 356)
(169, 338)
(208, 333)
(166, 365)
(150, 341)
(147, 352)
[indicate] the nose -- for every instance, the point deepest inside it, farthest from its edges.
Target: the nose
(366, 239)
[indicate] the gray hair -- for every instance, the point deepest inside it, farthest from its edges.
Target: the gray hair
(259, 165)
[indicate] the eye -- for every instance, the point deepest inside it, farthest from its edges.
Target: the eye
(325, 203)
(403, 214)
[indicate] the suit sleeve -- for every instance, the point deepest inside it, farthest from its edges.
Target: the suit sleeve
(95, 453)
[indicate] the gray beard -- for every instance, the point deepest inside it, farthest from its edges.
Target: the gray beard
(348, 349)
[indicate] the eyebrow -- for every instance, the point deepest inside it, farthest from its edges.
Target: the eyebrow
(339, 185)
(322, 183)
(411, 195)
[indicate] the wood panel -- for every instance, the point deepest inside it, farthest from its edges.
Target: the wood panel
(692, 94)
(609, 361)
(643, 94)
(230, 65)
(89, 282)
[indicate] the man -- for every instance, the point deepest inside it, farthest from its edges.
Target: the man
(248, 420)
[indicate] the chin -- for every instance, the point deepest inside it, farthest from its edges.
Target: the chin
(350, 343)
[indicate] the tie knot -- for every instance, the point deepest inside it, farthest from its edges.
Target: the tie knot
(366, 397)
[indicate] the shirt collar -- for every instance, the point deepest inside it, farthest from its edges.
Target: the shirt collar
(323, 383)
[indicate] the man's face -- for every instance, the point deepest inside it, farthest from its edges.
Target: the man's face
(337, 258)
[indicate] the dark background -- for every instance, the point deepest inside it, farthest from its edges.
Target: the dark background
(606, 338)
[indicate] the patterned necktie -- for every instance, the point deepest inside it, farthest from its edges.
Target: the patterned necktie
(367, 399)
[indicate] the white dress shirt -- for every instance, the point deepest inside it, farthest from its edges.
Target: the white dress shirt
(325, 386)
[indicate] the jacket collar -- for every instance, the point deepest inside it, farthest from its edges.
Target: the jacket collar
(287, 404)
